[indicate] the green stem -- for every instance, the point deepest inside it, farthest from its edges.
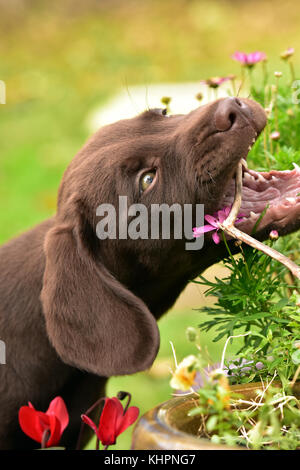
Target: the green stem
(276, 110)
(233, 86)
(292, 71)
(245, 261)
(45, 438)
(265, 73)
(228, 249)
(121, 395)
(276, 105)
(250, 73)
(271, 144)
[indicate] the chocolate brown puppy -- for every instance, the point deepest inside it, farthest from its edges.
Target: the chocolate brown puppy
(75, 309)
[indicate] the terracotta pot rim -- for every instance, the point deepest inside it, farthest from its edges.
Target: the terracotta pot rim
(155, 431)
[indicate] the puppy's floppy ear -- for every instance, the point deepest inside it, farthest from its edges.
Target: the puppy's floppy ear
(92, 320)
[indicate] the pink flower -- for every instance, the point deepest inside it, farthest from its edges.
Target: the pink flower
(213, 223)
(249, 60)
(288, 53)
(215, 82)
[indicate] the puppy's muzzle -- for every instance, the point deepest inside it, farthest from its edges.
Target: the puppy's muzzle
(231, 111)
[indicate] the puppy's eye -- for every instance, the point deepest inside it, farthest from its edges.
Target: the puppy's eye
(146, 180)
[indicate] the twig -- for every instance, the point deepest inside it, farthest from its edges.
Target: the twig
(295, 377)
(235, 233)
(228, 227)
(237, 198)
(174, 354)
(225, 347)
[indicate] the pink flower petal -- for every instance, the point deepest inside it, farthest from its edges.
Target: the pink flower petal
(223, 214)
(253, 57)
(200, 230)
(239, 218)
(211, 220)
(249, 59)
(240, 57)
(216, 238)
(257, 56)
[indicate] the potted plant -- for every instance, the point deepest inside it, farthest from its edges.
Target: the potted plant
(250, 400)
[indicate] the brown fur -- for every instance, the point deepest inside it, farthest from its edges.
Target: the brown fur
(75, 310)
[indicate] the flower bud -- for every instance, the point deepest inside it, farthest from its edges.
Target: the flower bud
(191, 334)
(121, 395)
(273, 235)
(278, 74)
(269, 335)
(166, 100)
(199, 96)
(275, 135)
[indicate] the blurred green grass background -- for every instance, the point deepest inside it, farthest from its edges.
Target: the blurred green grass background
(60, 60)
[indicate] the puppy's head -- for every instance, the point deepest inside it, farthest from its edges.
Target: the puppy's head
(98, 294)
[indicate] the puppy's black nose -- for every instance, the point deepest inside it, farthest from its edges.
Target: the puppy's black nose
(228, 111)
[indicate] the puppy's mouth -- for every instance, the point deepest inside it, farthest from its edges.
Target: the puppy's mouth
(275, 194)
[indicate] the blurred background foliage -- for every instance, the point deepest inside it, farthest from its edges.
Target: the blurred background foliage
(62, 59)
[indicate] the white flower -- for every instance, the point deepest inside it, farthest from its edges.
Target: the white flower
(184, 375)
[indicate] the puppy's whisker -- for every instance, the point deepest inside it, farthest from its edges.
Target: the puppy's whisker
(208, 189)
(137, 111)
(147, 98)
(239, 89)
(212, 179)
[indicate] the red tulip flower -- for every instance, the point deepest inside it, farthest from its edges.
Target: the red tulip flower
(113, 421)
(46, 428)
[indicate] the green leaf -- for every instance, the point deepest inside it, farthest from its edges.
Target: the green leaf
(282, 303)
(296, 357)
(215, 439)
(260, 219)
(212, 423)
